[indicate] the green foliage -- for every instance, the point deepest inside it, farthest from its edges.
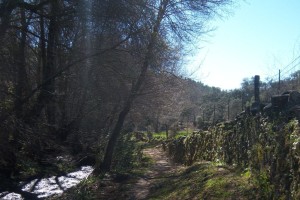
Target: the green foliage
(85, 191)
(160, 135)
(270, 149)
(247, 173)
(263, 184)
(219, 186)
(128, 154)
(29, 168)
(181, 134)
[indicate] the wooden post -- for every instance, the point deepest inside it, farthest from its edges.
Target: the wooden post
(279, 82)
(256, 88)
(242, 101)
(298, 79)
(214, 114)
(228, 108)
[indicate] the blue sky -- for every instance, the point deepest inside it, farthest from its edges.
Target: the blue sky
(259, 37)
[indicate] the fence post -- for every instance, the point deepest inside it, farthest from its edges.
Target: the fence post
(214, 114)
(228, 108)
(242, 101)
(279, 82)
(256, 89)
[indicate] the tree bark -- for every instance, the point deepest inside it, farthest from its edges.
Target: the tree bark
(106, 164)
(21, 76)
(49, 89)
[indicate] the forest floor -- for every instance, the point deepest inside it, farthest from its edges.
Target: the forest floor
(161, 169)
(160, 178)
(157, 167)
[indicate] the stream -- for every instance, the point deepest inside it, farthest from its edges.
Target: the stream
(54, 185)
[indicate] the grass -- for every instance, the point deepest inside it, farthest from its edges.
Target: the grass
(159, 135)
(204, 181)
(182, 133)
(162, 135)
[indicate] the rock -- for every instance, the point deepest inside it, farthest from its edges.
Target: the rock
(287, 103)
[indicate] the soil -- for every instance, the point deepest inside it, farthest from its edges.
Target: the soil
(139, 188)
(163, 167)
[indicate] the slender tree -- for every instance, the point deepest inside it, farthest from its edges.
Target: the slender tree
(173, 20)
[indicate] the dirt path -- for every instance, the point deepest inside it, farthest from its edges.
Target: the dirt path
(165, 180)
(139, 188)
(162, 168)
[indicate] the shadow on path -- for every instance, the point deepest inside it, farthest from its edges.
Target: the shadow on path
(163, 168)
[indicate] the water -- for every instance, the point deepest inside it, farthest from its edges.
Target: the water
(54, 185)
(12, 196)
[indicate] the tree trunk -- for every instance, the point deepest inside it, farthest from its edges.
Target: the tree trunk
(5, 13)
(42, 57)
(21, 76)
(46, 96)
(156, 124)
(106, 163)
(51, 64)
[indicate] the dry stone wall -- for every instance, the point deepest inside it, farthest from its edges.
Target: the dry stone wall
(266, 146)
